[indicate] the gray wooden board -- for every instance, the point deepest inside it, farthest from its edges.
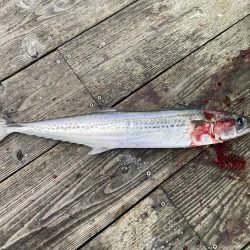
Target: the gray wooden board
(214, 201)
(65, 197)
(15, 94)
(30, 29)
(154, 223)
(44, 90)
(143, 40)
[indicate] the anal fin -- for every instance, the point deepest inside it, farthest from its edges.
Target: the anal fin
(95, 151)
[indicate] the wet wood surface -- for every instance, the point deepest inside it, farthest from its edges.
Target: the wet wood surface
(53, 195)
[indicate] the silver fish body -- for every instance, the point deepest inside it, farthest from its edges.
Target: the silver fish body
(103, 131)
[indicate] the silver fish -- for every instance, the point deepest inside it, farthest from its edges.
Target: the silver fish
(111, 129)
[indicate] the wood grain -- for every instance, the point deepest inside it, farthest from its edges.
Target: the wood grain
(154, 223)
(145, 39)
(44, 90)
(65, 197)
(18, 152)
(215, 201)
(30, 29)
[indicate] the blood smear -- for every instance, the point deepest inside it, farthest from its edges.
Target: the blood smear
(209, 115)
(224, 161)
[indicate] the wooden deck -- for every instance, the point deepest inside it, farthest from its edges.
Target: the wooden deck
(62, 58)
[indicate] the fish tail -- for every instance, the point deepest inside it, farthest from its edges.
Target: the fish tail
(4, 121)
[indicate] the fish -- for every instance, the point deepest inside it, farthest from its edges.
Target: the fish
(111, 129)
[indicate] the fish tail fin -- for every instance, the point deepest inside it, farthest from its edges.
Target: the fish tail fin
(4, 121)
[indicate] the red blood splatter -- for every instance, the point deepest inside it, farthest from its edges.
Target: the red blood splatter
(227, 101)
(225, 161)
(241, 99)
(54, 176)
(209, 115)
(185, 248)
(221, 126)
(244, 53)
(205, 101)
(197, 243)
(202, 129)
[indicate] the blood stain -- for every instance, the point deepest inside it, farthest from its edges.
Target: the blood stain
(205, 101)
(200, 130)
(228, 161)
(209, 115)
(241, 99)
(197, 243)
(227, 101)
(185, 248)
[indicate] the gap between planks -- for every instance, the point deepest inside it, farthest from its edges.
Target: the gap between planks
(162, 67)
(143, 198)
(65, 42)
(134, 91)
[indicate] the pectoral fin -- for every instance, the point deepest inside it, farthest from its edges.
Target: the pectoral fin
(95, 151)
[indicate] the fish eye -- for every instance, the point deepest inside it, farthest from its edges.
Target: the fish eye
(240, 121)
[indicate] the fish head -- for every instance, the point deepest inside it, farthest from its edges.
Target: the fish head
(228, 126)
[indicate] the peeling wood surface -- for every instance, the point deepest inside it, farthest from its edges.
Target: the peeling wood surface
(53, 195)
(154, 223)
(63, 198)
(30, 29)
(145, 39)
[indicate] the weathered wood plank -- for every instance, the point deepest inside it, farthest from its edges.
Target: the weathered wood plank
(215, 201)
(44, 90)
(65, 197)
(30, 29)
(154, 223)
(65, 190)
(133, 47)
